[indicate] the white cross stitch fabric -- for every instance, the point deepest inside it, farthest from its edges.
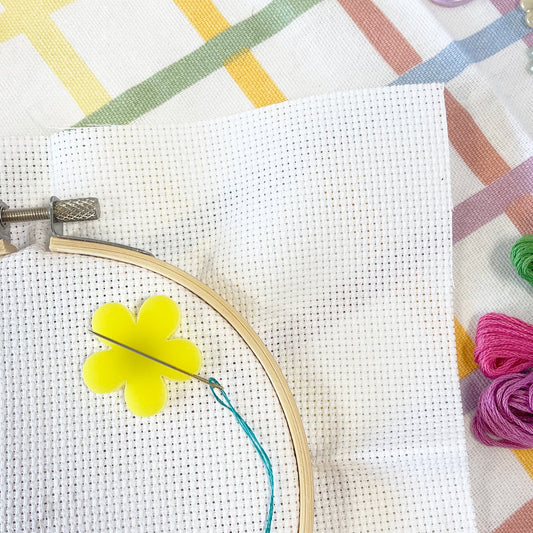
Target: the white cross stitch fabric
(326, 223)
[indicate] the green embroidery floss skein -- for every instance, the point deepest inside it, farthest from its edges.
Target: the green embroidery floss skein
(522, 257)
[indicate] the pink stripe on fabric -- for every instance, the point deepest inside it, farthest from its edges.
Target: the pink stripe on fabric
(382, 34)
(492, 201)
(520, 521)
(520, 212)
(472, 144)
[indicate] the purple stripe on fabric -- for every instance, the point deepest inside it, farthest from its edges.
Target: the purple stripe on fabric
(504, 6)
(491, 201)
(471, 387)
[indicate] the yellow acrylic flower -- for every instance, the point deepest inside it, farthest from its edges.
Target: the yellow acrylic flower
(145, 389)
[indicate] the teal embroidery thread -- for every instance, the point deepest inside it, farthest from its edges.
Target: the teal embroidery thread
(256, 444)
(522, 257)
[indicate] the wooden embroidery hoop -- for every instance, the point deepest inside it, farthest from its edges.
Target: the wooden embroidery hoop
(116, 252)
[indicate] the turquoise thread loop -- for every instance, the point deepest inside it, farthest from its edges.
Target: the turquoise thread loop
(251, 435)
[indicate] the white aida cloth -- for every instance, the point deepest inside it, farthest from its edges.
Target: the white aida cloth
(326, 223)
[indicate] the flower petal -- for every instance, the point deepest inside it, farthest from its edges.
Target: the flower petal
(183, 354)
(159, 317)
(146, 397)
(104, 371)
(114, 321)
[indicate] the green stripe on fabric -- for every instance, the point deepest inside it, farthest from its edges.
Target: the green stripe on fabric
(205, 60)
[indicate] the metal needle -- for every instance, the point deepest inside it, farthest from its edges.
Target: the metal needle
(195, 376)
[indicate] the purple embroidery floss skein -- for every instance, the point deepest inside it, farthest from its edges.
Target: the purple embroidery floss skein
(504, 415)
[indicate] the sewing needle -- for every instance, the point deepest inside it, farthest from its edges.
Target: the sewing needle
(126, 347)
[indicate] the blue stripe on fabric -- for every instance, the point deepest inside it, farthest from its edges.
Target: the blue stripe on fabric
(457, 56)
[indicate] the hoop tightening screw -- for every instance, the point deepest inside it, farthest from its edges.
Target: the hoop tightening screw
(73, 210)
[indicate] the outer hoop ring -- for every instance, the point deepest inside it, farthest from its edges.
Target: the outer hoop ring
(245, 331)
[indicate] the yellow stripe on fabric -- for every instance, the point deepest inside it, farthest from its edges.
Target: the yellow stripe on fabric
(253, 80)
(20, 14)
(465, 350)
(71, 70)
(526, 460)
(7, 29)
(32, 19)
(207, 20)
(243, 67)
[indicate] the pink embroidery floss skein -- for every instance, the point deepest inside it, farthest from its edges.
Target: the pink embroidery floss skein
(504, 345)
(504, 415)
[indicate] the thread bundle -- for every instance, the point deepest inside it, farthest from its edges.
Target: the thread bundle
(522, 257)
(504, 345)
(505, 412)
(504, 352)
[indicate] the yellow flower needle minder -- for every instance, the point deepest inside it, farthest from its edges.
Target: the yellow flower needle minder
(145, 389)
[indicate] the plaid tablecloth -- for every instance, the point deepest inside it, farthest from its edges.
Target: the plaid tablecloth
(66, 63)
